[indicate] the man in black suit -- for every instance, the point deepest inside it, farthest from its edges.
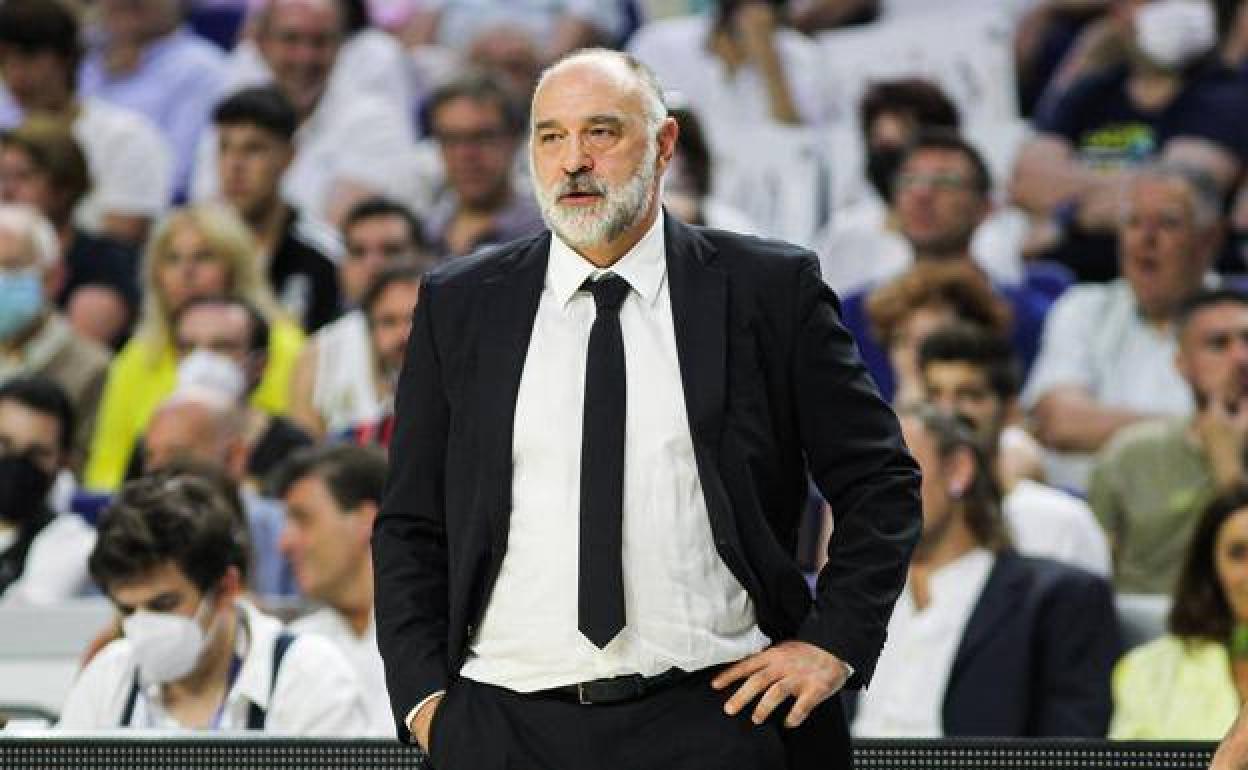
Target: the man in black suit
(585, 554)
(985, 641)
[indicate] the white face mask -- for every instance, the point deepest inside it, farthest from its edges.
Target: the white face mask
(1173, 33)
(166, 645)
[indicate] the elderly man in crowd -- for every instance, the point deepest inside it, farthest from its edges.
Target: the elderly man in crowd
(34, 337)
(478, 130)
(1108, 354)
(1153, 479)
(349, 145)
(332, 495)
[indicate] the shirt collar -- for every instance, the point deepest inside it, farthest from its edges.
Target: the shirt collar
(644, 267)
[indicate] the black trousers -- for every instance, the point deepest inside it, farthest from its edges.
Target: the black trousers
(683, 727)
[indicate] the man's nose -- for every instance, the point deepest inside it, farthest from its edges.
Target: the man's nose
(575, 156)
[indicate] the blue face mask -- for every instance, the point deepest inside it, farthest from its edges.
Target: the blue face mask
(21, 299)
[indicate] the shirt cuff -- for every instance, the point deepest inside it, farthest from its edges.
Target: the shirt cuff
(407, 721)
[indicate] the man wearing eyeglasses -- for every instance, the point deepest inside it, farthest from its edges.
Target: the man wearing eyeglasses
(478, 130)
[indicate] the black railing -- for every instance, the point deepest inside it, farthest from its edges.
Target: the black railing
(243, 753)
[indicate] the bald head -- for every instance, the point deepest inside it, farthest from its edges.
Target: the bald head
(194, 427)
(620, 69)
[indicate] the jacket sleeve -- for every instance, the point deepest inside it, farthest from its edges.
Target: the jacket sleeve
(855, 454)
(409, 537)
(1080, 642)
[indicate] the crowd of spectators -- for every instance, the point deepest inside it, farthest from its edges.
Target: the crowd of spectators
(215, 218)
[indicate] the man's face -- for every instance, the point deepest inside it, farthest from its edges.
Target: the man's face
(224, 329)
(477, 150)
(937, 205)
(595, 164)
(963, 388)
(510, 54)
(1163, 253)
(24, 431)
(372, 244)
(21, 181)
(37, 79)
(300, 44)
(1213, 353)
(325, 545)
(137, 20)
(250, 164)
(390, 323)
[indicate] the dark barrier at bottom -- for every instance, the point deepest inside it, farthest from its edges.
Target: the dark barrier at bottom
(165, 753)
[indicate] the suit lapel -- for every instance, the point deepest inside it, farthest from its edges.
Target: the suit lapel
(699, 294)
(509, 305)
(999, 599)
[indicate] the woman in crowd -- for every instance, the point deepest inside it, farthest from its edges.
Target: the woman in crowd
(1188, 684)
(197, 251)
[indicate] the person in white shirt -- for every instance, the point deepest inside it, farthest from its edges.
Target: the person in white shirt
(332, 494)
(130, 161)
(194, 654)
(42, 552)
(1107, 355)
(349, 145)
(984, 641)
(968, 370)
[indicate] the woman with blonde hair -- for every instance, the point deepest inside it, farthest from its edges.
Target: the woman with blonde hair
(196, 251)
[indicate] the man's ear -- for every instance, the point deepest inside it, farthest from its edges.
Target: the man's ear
(365, 514)
(231, 585)
(668, 132)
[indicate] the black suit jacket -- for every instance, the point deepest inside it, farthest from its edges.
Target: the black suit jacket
(773, 388)
(1036, 656)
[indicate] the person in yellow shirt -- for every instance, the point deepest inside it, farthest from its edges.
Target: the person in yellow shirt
(1189, 684)
(196, 251)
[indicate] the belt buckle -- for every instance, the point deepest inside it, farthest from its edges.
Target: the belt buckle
(580, 695)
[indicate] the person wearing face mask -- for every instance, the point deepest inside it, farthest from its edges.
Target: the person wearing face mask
(34, 337)
(1167, 101)
(194, 653)
(42, 552)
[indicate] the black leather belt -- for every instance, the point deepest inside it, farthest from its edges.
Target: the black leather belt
(614, 690)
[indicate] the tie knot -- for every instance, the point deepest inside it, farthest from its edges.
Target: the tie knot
(609, 292)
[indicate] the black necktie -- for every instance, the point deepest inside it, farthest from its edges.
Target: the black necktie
(600, 590)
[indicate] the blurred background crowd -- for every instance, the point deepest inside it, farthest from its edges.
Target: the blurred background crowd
(215, 216)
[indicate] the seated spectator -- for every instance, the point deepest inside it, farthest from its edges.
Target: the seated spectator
(556, 28)
(339, 384)
(129, 160)
(144, 58)
(349, 145)
(42, 165)
(478, 131)
(1160, 104)
(195, 654)
(687, 184)
(378, 232)
(201, 425)
(984, 641)
(511, 57)
(255, 144)
(1151, 481)
(332, 495)
(737, 64)
(1107, 358)
(905, 310)
(863, 244)
(42, 552)
(1189, 684)
(942, 195)
(35, 339)
(223, 344)
(972, 372)
(198, 251)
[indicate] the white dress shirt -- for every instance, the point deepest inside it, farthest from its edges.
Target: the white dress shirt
(316, 693)
(361, 652)
(907, 692)
(684, 608)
